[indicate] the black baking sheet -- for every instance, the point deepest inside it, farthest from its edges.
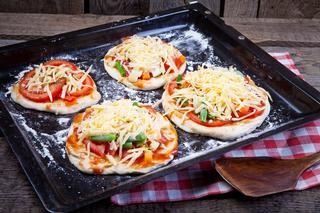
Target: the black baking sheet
(38, 138)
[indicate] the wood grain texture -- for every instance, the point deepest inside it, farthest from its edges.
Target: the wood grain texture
(213, 5)
(16, 193)
(293, 30)
(160, 5)
(259, 30)
(14, 186)
(289, 9)
(42, 6)
(32, 24)
(306, 60)
(241, 8)
(119, 7)
(253, 176)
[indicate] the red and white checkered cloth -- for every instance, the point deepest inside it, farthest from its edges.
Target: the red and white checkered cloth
(201, 180)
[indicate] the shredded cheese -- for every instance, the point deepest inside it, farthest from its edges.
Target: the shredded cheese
(148, 54)
(127, 121)
(221, 91)
(111, 160)
(45, 75)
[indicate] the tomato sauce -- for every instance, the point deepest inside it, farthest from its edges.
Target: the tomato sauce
(70, 103)
(139, 84)
(78, 118)
(97, 170)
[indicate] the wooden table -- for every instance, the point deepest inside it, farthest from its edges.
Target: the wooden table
(300, 37)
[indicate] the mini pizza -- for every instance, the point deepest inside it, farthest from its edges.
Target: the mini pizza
(121, 137)
(144, 63)
(217, 102)
(56, 86)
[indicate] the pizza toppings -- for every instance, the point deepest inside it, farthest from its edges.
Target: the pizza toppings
(49, 92)
(144, 58)
(104, 138)
(125, 132)
(120, 68)
(215, 97)
(55, 79)
(179, 79)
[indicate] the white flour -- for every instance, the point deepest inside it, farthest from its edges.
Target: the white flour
(64, 57)
(43, 142)
(63, 121)
(192, 43)
(199, 50)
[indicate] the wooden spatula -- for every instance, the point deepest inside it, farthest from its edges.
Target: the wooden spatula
(261, 176)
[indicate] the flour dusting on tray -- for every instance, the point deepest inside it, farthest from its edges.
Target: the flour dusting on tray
(43, 143)
(195, 45)
(46, 133)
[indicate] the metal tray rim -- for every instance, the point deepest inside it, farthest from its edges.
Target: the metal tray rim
(49, 204)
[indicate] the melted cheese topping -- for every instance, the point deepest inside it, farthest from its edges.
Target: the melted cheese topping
(127, 121)
(45, 75)
(221, 91)
(149, 54)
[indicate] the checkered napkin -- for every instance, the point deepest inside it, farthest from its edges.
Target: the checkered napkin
(201, 180)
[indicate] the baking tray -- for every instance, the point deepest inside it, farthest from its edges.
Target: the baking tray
(37, 138)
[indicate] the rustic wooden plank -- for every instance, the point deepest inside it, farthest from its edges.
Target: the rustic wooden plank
(293, 30)
(17, 195)
(306, 60)
(160, 5)
(241, 8)
(289, 9)
(213, 5)
(14, 182)
(43, 6)
(36, 24)
(22, 26)
(119, 7)
(233, 202)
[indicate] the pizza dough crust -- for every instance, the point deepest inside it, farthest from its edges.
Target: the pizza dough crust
(151, 84)
(77, 152)
(84, 165)
(226, 132)
(58, 106)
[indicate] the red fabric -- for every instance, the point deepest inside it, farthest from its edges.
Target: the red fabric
(201, 180)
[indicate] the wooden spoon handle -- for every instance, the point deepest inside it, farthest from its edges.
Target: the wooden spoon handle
(310, 160)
